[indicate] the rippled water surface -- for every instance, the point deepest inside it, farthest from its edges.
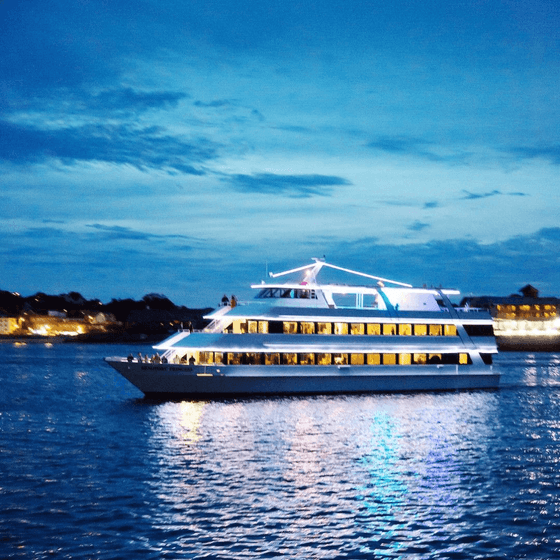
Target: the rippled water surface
(90, 469)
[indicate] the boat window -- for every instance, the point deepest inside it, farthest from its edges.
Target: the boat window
(252, 327)
(323, 359)
(420, 358)
(405, 329)
(290, 327)
(405, 359)
(486, 358)
(374, 329)
(389, 359)
(219, 358)
(253, 358)
(307, 359)
(357, 328)
(275, 327)
(274, 293)
(340, 359)
(420, 330)
(307, 327)
(449, 330)
(434, 358)
(205, 357)
(479, 330)
(464, 358)
(263, 327)
(357, 359)
(272, 359)
(289, 359)
(305, 294)
(234, 358)
(389, 329)
(324, 328)
(340, 328)
(435, 330)
(373, 359)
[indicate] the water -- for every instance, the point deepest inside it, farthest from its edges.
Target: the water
(90, 469)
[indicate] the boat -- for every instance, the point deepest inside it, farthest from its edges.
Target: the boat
(303, 336)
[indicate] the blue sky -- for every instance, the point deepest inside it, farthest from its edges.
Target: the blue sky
(184, 147)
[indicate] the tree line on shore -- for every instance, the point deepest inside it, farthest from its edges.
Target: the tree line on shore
(152, 313)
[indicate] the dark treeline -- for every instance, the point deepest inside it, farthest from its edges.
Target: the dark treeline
(152, 313)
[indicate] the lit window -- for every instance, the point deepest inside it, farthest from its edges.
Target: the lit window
(206, 357)
(420, 358)
(263, 327)
(323, 359)
(420, 330)
(373, 359)
(324, 328)
(357, 328)
(357, 359)
(405, 359)
(341, 328)
(450, 330)
(234, 358)
(289, 359)
(307, 327)
(405, 330)
(307, 359)
(252, 327)
(219, 358)
(389, 359)
(389, 329)
(435, 330)
(434, 358)
(463, 358)
(290, 327)
(340, 359)
(272, 359)
(374, 329)
(253, 358)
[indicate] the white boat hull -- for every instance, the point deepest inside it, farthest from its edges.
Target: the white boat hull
(169, 380)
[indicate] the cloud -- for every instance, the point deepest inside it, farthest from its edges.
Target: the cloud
(476, 196)
(418, 226)
(147, 147)
(550, 153)
(298, 186)
(416, 147)
(431, 204)
(127, 99)
(214, 104)
(119, 233)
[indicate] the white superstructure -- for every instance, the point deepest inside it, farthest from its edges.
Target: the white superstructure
(308, 337)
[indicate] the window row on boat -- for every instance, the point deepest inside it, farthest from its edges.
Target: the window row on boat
(344, 328)
(341, 328)
(326, 359)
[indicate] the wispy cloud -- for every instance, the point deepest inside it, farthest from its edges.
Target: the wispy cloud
(549, 153)
(417, 147)
(468, 195)
(418, 226)
(117, 233)
(141, 147)
(299, 186)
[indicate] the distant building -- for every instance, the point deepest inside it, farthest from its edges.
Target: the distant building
(523, 322)
(8, 325)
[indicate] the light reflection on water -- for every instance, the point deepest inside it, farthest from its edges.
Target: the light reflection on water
(92, 470)
(371, 474)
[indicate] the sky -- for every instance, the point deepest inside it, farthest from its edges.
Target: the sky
(187, 148)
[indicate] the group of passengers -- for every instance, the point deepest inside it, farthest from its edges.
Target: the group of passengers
(157, 359)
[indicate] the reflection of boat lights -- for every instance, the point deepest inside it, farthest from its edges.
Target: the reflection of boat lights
(190, 414)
